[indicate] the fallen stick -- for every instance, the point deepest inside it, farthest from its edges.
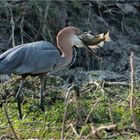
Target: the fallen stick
(135, 120)
(10, 123)
(126, 84)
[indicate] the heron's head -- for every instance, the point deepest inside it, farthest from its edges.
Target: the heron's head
(68, 37)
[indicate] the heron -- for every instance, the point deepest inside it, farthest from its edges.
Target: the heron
(40, 59)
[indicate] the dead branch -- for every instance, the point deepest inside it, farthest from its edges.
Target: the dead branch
(94, 132)
(106, 84)
(100, 128)
(132, 95)
(13, 28)
(110, 111)
(126, 84)
(65, 111)
(94, 106)
(75, 132)
(87, 118)
(108, 127)
(63, 123)
(99, 86)
(21, 29)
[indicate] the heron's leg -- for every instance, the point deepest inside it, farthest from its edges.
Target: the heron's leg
(77, 103)
(42, 88)
(18, 96)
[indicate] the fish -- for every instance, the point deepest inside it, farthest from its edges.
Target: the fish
(97, 41)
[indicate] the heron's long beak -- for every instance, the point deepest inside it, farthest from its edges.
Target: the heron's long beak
(77, 42)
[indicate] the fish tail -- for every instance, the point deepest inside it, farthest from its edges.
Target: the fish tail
(106, 37)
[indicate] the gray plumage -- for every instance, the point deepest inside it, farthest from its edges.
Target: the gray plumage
(32, 58)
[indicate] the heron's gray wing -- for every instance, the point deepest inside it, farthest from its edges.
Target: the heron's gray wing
(39, 61)
(30, 58)
(40, 57)
(38, 43)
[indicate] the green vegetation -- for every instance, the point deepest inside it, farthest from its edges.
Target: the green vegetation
(112, 107)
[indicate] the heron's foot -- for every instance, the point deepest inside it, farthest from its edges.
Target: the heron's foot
(41, 106)
(18, 99)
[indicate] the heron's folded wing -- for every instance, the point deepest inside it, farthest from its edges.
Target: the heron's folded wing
(30, 58)
(39, 59)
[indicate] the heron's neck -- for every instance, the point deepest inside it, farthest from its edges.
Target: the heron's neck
(67, 53)
(74, 55)
(65, 44)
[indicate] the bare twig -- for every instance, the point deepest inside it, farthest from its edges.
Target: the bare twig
(13, 28)
(110, 111)
(21, 29)
(65, 111)
(87, 118)
(75, 132)
(68, 133)
(108, 127)
(10, 123)
(48, 4)
(28, 36)
(35, 31)
(43, 13)
(132, 96)
(126, 84)
(63, 123)
(68, 92)
(96, 130)
(94, 106)
(99, 86)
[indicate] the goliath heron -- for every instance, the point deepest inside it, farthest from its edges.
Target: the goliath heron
(40, 59)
